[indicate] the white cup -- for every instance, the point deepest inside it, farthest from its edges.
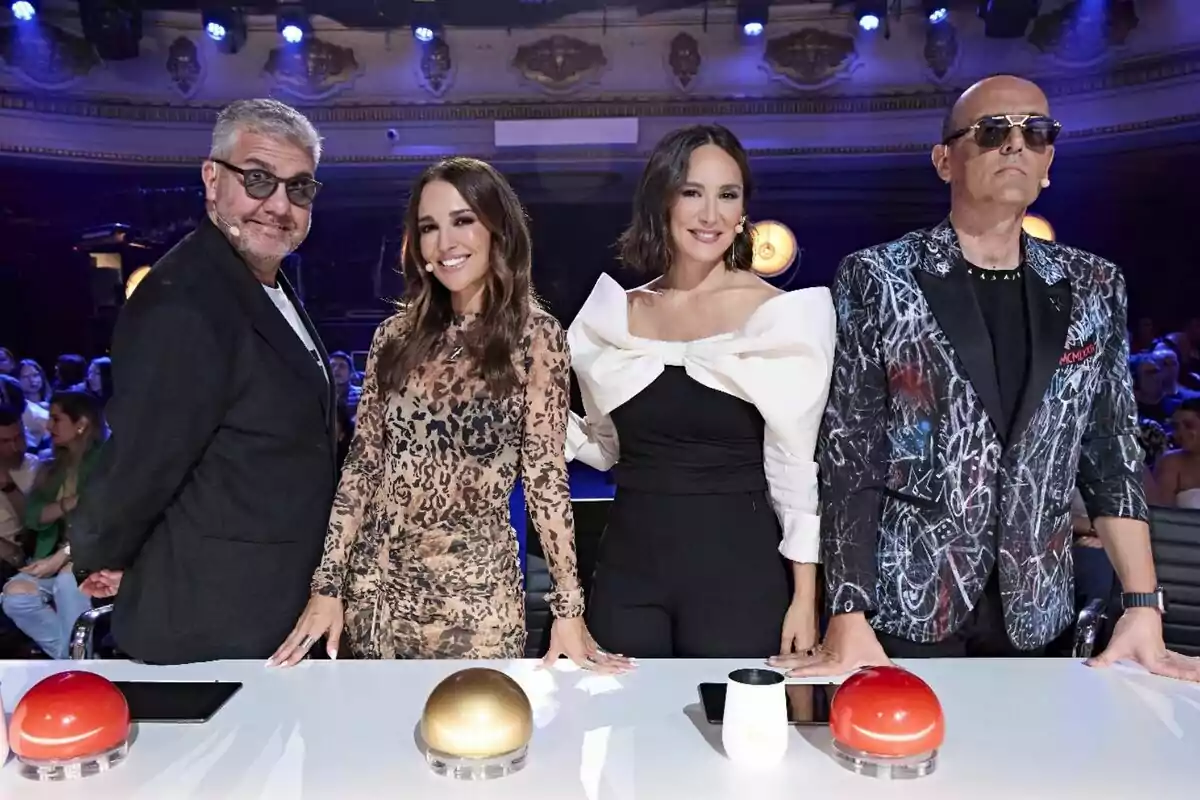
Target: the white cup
(755, 727)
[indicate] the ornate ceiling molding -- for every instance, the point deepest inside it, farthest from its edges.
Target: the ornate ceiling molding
(1129, 74)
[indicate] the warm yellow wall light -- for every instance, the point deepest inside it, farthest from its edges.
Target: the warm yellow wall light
(1038, 226)
(774, 248)
(134, 279)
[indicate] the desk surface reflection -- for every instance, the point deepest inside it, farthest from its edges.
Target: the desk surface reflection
(1020, 728)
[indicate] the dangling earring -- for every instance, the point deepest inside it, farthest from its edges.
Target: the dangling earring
(1045, 182)
(741, 226)
(429, 267)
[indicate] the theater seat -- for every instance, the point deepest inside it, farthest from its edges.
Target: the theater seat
(90, 637)
(1175, 541)
(591, 515)
(537, 610)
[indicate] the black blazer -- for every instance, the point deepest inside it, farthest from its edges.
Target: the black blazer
(922, 494)
(213, 491)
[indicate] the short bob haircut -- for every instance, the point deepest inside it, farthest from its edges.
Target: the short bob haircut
(646, 245)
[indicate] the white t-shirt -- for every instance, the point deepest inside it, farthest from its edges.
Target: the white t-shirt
(36, 420)
(280, 299)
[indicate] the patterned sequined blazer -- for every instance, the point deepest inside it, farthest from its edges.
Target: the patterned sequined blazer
(922, 496)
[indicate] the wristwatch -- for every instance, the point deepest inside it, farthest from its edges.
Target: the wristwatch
(1156, 600)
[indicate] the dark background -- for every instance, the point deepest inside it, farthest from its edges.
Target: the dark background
(1137, 206)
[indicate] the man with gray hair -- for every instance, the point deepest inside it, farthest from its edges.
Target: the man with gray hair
(207, 513)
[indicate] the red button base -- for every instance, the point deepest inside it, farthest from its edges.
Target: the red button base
(887, 723)
(70, 725)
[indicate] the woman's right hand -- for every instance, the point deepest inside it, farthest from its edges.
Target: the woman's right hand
(322, 617)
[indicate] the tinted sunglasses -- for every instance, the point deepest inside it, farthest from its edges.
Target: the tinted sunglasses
(261, 184)
(992, 132)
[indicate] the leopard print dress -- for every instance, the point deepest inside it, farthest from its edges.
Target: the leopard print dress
(419, 547)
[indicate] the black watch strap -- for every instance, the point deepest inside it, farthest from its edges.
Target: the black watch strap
(1156, 600)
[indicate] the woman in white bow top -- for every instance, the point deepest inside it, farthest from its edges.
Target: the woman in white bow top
(703, 390)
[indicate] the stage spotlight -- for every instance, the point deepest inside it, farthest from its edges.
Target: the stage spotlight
(870, 13)
(24, 10)
(752, 16)
(113, 27)
(227, 28)
(936, 10)
(292, 22)
(1007, 19)
(425, 19)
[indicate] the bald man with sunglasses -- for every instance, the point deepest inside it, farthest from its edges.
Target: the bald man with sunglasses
(980, 375)
(207, 513)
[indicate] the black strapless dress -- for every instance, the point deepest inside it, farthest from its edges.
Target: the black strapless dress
(689, 564)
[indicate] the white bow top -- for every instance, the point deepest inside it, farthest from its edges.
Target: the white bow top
(781, 360)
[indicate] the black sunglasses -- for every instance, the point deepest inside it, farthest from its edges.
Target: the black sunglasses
(992, 132)
(261, 184)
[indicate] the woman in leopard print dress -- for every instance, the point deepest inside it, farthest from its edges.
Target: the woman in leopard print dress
(464, 390)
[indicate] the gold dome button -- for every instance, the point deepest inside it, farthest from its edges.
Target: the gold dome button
(477, 724)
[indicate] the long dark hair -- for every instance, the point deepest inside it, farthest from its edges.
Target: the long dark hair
(44, 394)
(646, 245)
(77, 406)
(508, 296)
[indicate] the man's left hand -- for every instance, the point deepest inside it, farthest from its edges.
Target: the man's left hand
(1138, 637)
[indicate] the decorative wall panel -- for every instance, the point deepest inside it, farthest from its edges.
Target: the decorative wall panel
(812, 85)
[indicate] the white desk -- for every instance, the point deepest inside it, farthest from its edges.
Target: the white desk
(341, 731)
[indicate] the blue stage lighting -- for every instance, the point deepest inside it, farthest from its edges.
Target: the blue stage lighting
(23, 10)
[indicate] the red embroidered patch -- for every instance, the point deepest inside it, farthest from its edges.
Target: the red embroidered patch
(1078, 354)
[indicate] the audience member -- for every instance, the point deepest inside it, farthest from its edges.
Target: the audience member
(99, 379)
(35, 417)
(1178, 472)
(8, 362)
(18, 468)
(70, 372)
(1172, 392)
(34, 383)
(1148, 387)
(43, 599)
(342, 368)
(1186, 343)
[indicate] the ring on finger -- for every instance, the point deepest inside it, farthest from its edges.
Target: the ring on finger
(306, 642)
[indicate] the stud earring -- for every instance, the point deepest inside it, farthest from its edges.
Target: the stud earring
(429, 267)
(1045, 182)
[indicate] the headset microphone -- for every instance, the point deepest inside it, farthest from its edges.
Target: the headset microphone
(234, 230)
